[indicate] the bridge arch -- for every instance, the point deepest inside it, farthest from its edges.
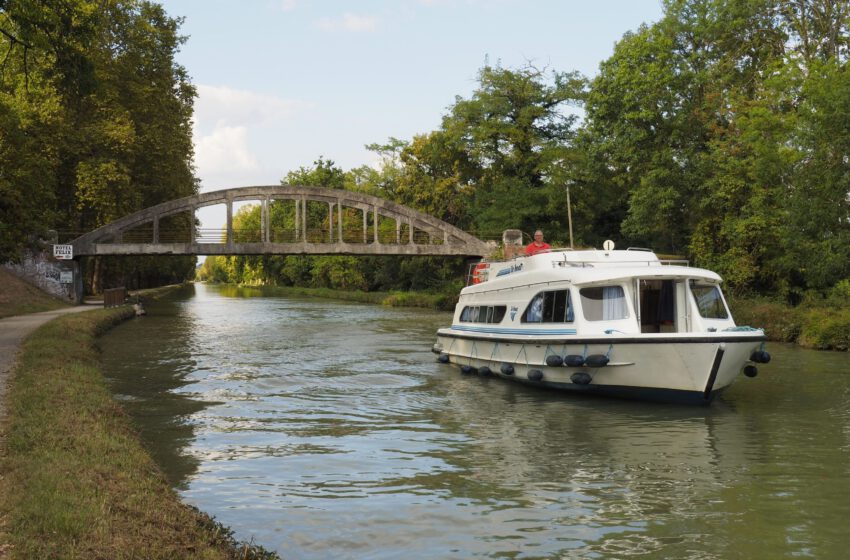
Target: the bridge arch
(416, 233)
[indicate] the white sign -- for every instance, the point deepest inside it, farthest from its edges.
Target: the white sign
(66, 277)
(608, 245)
(63, 252)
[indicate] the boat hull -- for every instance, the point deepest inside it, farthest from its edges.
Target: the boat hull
(672, 368)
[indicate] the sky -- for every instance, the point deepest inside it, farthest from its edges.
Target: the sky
(282, 82)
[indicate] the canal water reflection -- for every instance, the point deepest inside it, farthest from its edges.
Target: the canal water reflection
(325, 429)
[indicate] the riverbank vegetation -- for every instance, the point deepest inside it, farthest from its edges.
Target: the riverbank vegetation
(719, 133)
(422, 300)
(77, 482)
(821, 322)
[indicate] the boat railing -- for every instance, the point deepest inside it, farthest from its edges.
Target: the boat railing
(593, 263)
(479, 272)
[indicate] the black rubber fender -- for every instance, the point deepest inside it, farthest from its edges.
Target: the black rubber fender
(535, 375)
(581, 378)
(574, 360)
(554, 360)
(596, 360)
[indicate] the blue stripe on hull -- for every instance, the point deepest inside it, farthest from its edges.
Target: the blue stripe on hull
(500, 330)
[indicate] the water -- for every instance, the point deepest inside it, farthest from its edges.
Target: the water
(323, 429)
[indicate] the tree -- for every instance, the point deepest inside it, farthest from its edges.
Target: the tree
(723, 125)
(98, 113)
(515, 133)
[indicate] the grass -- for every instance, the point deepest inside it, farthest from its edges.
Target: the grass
(77, 482)
(18, 297)
(425, 300)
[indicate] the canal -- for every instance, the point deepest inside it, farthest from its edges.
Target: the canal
(324, 429)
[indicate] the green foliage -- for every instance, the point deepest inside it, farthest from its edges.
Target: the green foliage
(95, 120)
(826, 329)
(725, 126)
(337, 272)
(779, 321)
(711, 133)
(821, 322)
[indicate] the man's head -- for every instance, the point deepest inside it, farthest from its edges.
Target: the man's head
(538, 236)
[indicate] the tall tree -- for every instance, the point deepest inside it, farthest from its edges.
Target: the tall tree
(110, 109)
(516, 130)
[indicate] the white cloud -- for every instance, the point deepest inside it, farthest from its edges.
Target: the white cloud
(225, 149)
(287, 5)
(221, 105)
(348, 22)
(230, 129)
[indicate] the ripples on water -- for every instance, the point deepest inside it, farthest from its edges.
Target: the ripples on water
(323, 429)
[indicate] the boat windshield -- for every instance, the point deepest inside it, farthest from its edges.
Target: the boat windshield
(709, 301)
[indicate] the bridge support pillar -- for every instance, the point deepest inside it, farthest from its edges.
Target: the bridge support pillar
(230, 222)
(330, 222)
(297, 219)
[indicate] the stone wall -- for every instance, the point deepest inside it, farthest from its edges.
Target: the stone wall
(41, 270)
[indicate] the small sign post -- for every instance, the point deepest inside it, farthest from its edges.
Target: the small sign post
(63, 252)
(66, 277)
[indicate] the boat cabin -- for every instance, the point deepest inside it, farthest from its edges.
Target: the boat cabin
(593, 292)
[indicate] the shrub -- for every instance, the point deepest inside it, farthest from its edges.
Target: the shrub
(826, 329)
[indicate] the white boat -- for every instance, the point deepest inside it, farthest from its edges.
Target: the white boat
(612, 322)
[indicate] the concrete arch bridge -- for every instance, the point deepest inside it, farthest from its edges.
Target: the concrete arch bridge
(286, 220)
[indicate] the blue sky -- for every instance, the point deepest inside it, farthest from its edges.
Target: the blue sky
(282, 82)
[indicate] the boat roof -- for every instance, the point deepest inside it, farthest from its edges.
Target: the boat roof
(586, 267)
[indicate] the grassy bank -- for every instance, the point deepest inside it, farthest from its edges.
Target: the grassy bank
(18, 297)
(820, 324)
(77, 483)
(425, 300)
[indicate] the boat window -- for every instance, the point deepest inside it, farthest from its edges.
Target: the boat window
(499, 313)
(553, 306)
(483, 314)
(709, 301)
(604, 303)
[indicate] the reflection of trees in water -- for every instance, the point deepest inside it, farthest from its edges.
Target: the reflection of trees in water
(791, 496)
(146, 362)
(628, 471)
(759, 474)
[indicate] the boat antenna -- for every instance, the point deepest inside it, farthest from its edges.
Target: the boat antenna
(569, 214)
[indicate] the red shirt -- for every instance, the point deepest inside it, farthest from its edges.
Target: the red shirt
(534, 248)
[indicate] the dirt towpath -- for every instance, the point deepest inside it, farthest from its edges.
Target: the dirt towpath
(13, 330)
